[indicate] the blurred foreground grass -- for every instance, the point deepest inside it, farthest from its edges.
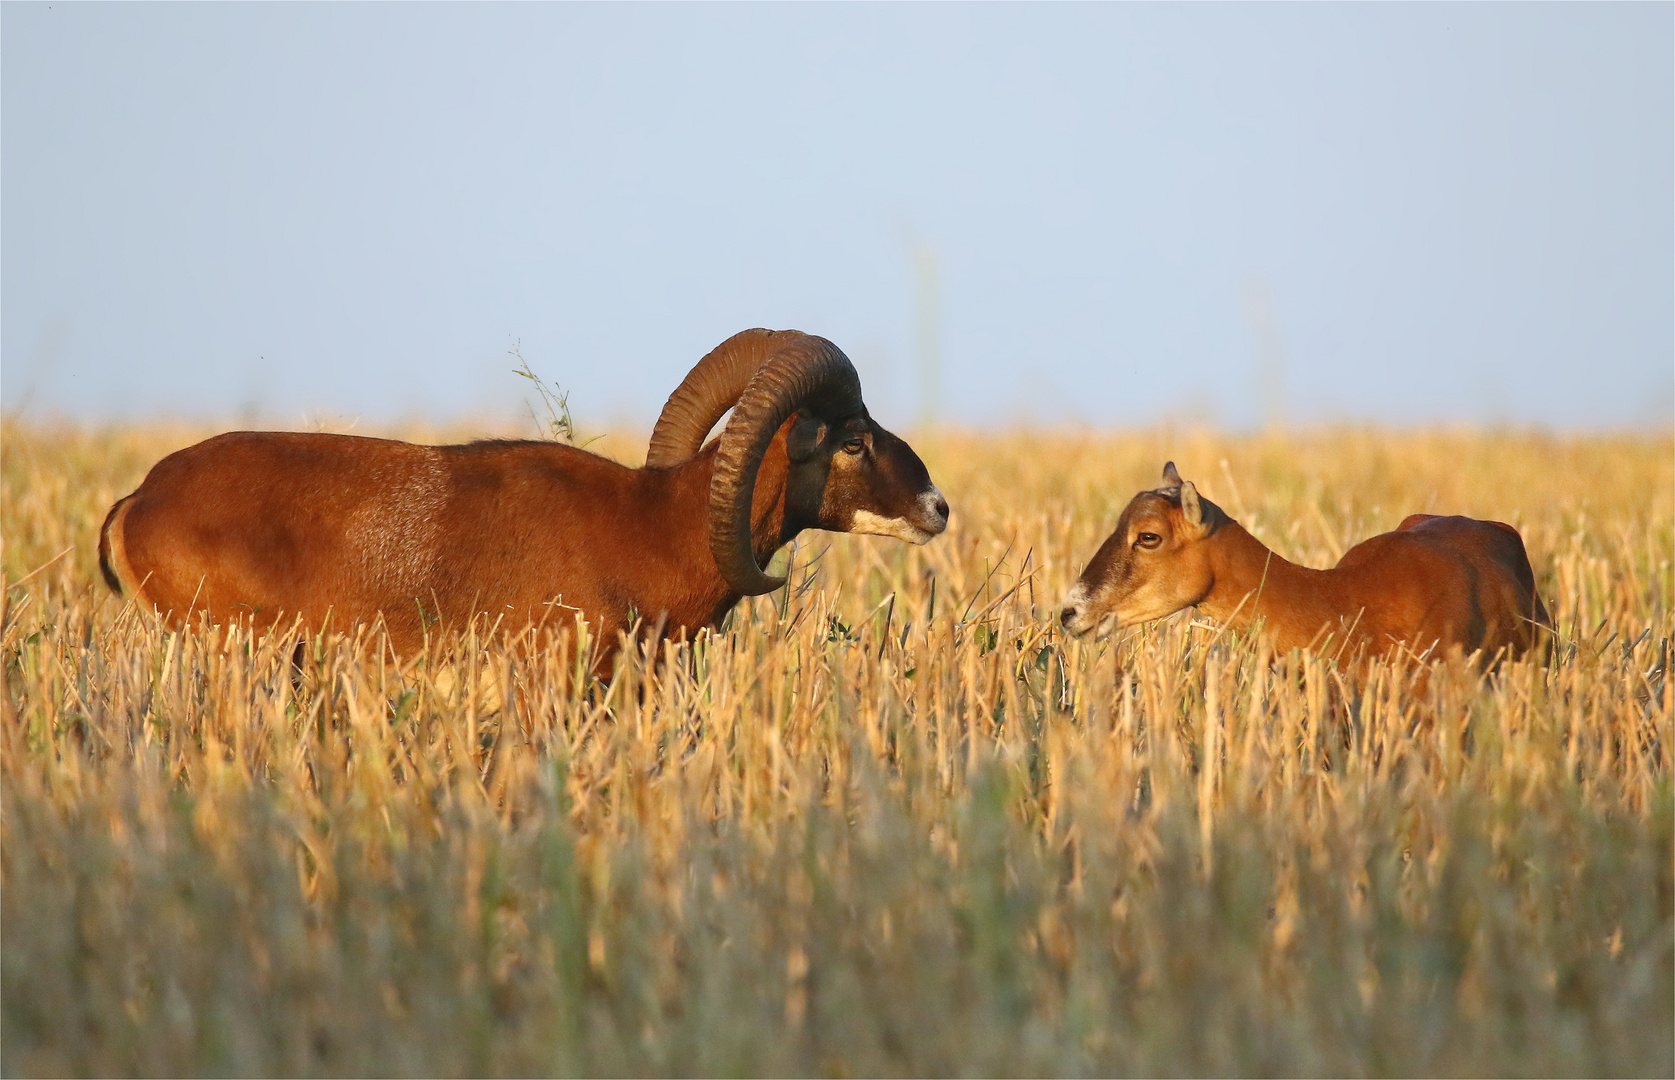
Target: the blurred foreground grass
(890, 822)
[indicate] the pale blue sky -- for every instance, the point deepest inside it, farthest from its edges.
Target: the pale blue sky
(1454, 212)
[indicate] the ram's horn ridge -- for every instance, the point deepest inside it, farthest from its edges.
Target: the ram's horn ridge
(707, 392)
(806, 373)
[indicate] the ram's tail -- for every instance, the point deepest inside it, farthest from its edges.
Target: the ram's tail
(105, 566)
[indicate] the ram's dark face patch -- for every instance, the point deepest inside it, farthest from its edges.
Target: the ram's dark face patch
(854, 476)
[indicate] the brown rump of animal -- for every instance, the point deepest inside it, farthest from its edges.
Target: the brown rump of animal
(276, 526)
(1433, 585)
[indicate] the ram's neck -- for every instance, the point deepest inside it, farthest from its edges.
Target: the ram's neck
(684, 580)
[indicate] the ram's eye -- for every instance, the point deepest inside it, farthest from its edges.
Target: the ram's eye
(1147, 540)
(855, 445)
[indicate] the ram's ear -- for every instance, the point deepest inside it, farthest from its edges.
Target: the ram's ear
(804, 438)
(1171, 478)
(1192, 511)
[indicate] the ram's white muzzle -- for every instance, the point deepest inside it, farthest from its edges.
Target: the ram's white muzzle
(932, 520)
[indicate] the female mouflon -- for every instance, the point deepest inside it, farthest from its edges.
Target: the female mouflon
(1434, 584)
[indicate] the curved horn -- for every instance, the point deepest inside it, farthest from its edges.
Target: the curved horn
(709, 389)
(803, 372)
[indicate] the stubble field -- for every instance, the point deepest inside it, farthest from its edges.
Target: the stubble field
(890, 821)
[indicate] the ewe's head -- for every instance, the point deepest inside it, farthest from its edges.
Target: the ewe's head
(846, 473)
(1153, 564)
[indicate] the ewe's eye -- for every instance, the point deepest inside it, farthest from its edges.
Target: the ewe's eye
(855, 445)
(1148, 540)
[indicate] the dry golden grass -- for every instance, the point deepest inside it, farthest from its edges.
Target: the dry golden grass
(889, 822)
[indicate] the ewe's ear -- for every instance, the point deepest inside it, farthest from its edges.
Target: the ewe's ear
(804, 438)
(1192, 511)
(1171, 478)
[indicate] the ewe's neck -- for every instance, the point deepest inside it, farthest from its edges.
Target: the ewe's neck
(1252, 581)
